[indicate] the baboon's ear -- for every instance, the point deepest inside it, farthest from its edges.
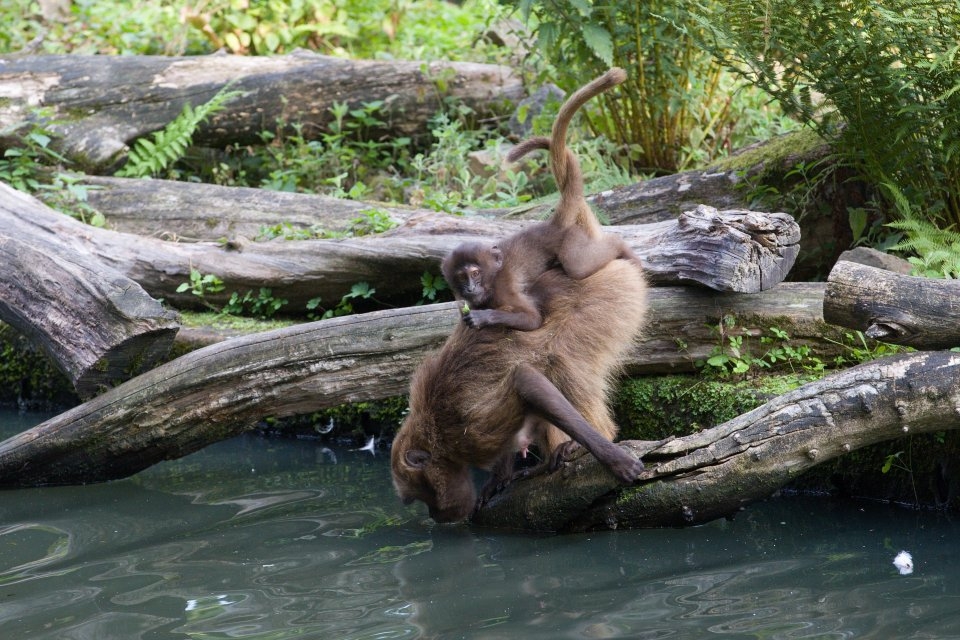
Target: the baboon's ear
(416, 458)
(497, 255)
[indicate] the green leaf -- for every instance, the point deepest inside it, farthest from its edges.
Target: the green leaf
(718, 360)
(599, 41)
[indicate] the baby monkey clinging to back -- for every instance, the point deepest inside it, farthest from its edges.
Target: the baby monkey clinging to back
(496, 281)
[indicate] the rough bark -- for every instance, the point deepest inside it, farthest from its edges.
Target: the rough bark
(95, 324)
(100, 104)
(892, 307)
(683, 328)
(165, 208)
(196, 212)
(220, 390)
(716, 472)
(732, 251)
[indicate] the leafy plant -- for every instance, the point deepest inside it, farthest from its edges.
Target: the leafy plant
(938, 250)
(150, 157)
(733, 356)
(359, 291)
(22, 166)
(201, 284)
(266, 27)
(261, 305)
(432, 286)
(859, 349)
(879, 80)
(676, 107)
(371, 221)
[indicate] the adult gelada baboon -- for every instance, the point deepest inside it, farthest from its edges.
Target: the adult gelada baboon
(490, 392)
(471, 401)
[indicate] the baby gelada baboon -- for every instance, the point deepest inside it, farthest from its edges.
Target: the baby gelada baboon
(496, 281)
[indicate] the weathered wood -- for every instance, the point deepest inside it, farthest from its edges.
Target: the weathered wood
(734, 251)
(895, 308)
(220, 390)
(193, 211)
(100, 104)
(196, 212)
(683, 328)
(714, 473)
(95, 324)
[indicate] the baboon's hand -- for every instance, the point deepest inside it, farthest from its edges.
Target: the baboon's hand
(478, 318)
(625, 466)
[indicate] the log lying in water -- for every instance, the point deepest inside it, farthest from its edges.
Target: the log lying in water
(97, 325)
(714, 473)
(221, 390)
(891, 307)
(100, 104)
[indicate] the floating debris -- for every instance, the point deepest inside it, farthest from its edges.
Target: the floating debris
(904, 563)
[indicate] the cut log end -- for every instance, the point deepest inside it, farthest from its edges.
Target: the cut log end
(127, 359)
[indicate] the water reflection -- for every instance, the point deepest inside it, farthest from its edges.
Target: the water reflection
(273, 540)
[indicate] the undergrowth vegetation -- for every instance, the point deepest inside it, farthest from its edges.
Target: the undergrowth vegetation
(880, 81)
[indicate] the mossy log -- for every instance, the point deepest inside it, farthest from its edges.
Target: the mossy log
(714, 473)
(97, 105)
(892, 307)
(223, 389)
(97, 325)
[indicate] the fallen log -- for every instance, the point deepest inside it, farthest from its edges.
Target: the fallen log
(97, 105)
(714, 473)
(892, 307)
(732, 251)
(223, 389)
(197, 212)
(98, 326)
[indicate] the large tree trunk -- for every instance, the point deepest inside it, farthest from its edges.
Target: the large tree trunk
(221, 390)
(891, 307)
(97, 325)
(100, 104)
(714, 473)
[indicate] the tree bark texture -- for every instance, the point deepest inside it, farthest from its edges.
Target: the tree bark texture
(100, 104)
(892, 307)
(716, 472)
(197, 212)
(220, 390)
(97, 325)
(731, 251)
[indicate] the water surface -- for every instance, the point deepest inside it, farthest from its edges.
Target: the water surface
(276, 539)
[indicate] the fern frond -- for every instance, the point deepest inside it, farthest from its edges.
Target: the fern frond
(170, 144)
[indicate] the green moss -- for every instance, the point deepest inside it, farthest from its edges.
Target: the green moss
(215, 320)
(28, 380)
(772, 153)
(654, 408)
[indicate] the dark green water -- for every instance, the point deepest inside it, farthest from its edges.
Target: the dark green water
(277, 540)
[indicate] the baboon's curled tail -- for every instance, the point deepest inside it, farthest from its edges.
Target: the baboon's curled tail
(572, 208)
